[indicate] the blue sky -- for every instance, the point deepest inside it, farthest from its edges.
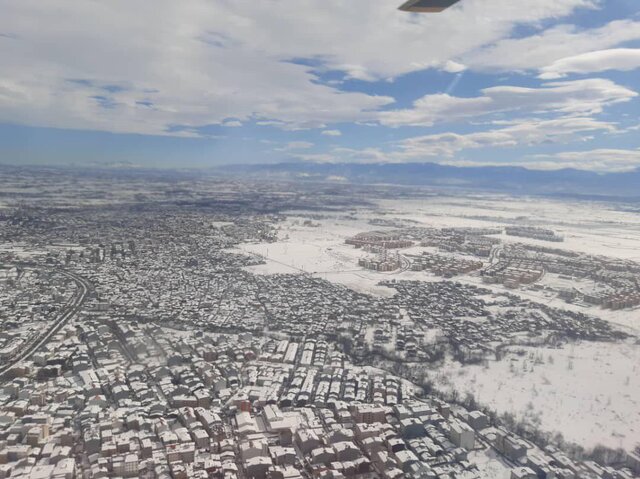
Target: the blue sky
(197, 83)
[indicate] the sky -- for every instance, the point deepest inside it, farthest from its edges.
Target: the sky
(543, 84)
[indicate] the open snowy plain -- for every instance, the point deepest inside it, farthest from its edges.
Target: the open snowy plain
(590, 392)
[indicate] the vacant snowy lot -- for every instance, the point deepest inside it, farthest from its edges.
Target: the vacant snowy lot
(590, 392)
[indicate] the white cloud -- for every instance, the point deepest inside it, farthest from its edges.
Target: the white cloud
(332, 133)
(519, 133)
(453, 67)
(444, 148)
(603, 160)
(597, 160)
(580, 97)
(167, 67)
(365, 155)
(107, 66)
(372, 39)
(295, 145)
(315, 157)
(540, 50)
(347, 155)
(624, 59)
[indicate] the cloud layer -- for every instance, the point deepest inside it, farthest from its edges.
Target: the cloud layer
(166, 67)
(330, 69)
(623, 59)
(575, 97)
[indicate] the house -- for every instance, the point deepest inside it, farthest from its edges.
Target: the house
(307, 440)
(323, 455)
(246, 424)
(347, 451)
(257, 467)
(462, 435)
(523, 473)
(406, 459)
(282, 456)
(478, 420)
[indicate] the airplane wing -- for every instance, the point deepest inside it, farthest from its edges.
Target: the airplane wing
(427, 5)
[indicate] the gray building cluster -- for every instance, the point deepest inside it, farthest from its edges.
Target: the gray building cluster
(147, 349)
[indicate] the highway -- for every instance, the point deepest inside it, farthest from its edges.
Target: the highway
(69, 311)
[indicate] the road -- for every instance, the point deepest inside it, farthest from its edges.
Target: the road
(405, 265)
(69, 311)
(494, 256)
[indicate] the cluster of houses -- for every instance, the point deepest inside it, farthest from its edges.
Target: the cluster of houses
(513, 273)
(533, 232)
(519, 264)
(473, 241)
(383, 262)
(476, 321)
(616, 283)
(30, 298)
(140, 400)
(387, 240)
(185, 365)
(440, 265)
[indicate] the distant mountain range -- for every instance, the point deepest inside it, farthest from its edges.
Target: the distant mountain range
(511, 179)
(503, 179)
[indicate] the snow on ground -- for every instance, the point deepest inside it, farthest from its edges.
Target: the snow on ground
(320, 251)
(589, 392)
(627, 320)
(490, 465)
(21, 251)
(588, 227)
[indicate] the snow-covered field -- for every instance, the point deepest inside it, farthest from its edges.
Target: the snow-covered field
(589, 392)
(320, 251)
(21, 251)
(627, 320)
(588, 227)
(594, 228)
(490, 465)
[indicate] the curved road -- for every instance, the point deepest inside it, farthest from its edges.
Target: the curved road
(69, 311)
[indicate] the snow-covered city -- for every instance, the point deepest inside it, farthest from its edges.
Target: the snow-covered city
(176, 328)
(320, 239)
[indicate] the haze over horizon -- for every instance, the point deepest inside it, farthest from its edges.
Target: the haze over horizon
(542, 84)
